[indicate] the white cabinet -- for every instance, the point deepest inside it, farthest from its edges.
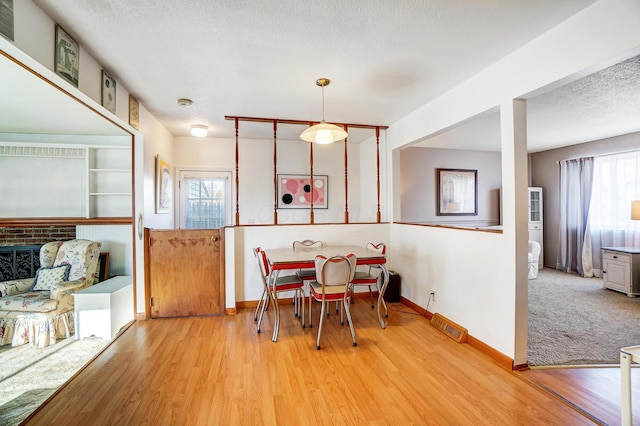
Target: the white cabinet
(109, 181)
(104, 308)
(535, 220)
(621, 269)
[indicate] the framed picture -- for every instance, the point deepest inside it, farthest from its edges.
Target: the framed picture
(296, 191)
(163, 185)
(134, 112)
(108, 92)
(67, 56)
(457, 192)
(6, 19)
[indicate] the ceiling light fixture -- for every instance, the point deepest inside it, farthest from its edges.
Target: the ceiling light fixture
(323, 133)
(184, 102)
(199, 130)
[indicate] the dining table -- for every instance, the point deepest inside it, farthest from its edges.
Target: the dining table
(283, 259)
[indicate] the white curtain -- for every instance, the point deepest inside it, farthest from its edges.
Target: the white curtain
(616, 181)
(574, 242)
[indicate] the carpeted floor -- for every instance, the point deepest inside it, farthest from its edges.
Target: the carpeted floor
(30, 375)
(574, 321)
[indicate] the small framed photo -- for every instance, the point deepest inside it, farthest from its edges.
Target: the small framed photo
(67, 56)
(296, 192)
(457, 192)
(134, 113)
(163, 185)
(108, 92)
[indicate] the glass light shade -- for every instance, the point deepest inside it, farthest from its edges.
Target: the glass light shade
(199, 130)
(635, 210)
(323, 133)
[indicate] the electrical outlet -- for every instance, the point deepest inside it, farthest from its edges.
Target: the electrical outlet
(433, 295)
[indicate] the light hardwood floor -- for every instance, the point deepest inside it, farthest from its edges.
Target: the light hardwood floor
(218, 370)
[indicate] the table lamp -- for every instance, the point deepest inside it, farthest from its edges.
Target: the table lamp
(635, 210)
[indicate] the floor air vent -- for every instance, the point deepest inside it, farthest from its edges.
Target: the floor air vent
(450, 328)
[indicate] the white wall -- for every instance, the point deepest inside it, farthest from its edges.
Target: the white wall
(248, 286)
(256, 169)
(489, 296)
(419, 184)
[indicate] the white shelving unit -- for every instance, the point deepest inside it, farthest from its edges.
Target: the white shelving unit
(535, 220)
(109, 181)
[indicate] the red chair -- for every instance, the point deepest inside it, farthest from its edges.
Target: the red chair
(306, 274)
(333, 285)
(282, 283)
(372, 276)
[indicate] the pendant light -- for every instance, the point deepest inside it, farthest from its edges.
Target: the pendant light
(323, 133)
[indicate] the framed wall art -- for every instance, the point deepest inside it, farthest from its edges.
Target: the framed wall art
(163, 185)
(296, 191)
(67, 56)
(108, 92)
(457, 191)
(134, 113)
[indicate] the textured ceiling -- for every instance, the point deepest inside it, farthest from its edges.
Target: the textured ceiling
(255, 58)
(600, 105)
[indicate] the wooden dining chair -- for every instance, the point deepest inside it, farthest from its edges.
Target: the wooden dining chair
(371, 277)
(334, 275)
(282, 283)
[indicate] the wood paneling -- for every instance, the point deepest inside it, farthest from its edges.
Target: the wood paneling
(186, 272)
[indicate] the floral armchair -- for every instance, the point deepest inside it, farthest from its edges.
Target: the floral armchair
(39, 310)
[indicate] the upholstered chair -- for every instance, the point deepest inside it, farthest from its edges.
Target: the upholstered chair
(534, 256)
(40, 310)
(333, 284)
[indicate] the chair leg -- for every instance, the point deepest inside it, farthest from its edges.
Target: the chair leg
(265, 305)
(353, 331)
(261, 301)
(302, 302)
(324, 307)
(371, 296)
(310, 299)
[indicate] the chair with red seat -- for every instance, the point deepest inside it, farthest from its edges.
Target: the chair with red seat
(333, 275)
(282, 283)
(372, 276)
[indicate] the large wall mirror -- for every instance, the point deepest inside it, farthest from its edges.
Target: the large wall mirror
(53, 146)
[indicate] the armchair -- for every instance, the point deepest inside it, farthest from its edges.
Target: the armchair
(533, 257)
(39, 310)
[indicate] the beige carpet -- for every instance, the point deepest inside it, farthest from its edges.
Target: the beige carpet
(574, 321)
(28, 375)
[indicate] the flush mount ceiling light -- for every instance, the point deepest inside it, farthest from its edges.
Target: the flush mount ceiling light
(185, 103)
(199, 130)
(323, 133)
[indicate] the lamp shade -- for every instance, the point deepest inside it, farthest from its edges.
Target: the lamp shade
(323, 133)
(199, 130)
(635, 210)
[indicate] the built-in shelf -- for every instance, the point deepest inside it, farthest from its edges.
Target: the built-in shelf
(109, 186)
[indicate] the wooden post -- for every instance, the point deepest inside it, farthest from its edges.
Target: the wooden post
(346, 179)
(378, 169)
(237, 179)
(275, 171)
(311, 213)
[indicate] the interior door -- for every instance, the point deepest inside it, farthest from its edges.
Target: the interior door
(186, 272)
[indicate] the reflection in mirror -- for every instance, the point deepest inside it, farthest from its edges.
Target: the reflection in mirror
(67, 171)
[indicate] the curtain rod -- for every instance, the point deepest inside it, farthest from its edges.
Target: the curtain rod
(301, 122)
(600, 155)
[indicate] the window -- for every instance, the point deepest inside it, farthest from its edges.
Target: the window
(616, 181)
(204, 199)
